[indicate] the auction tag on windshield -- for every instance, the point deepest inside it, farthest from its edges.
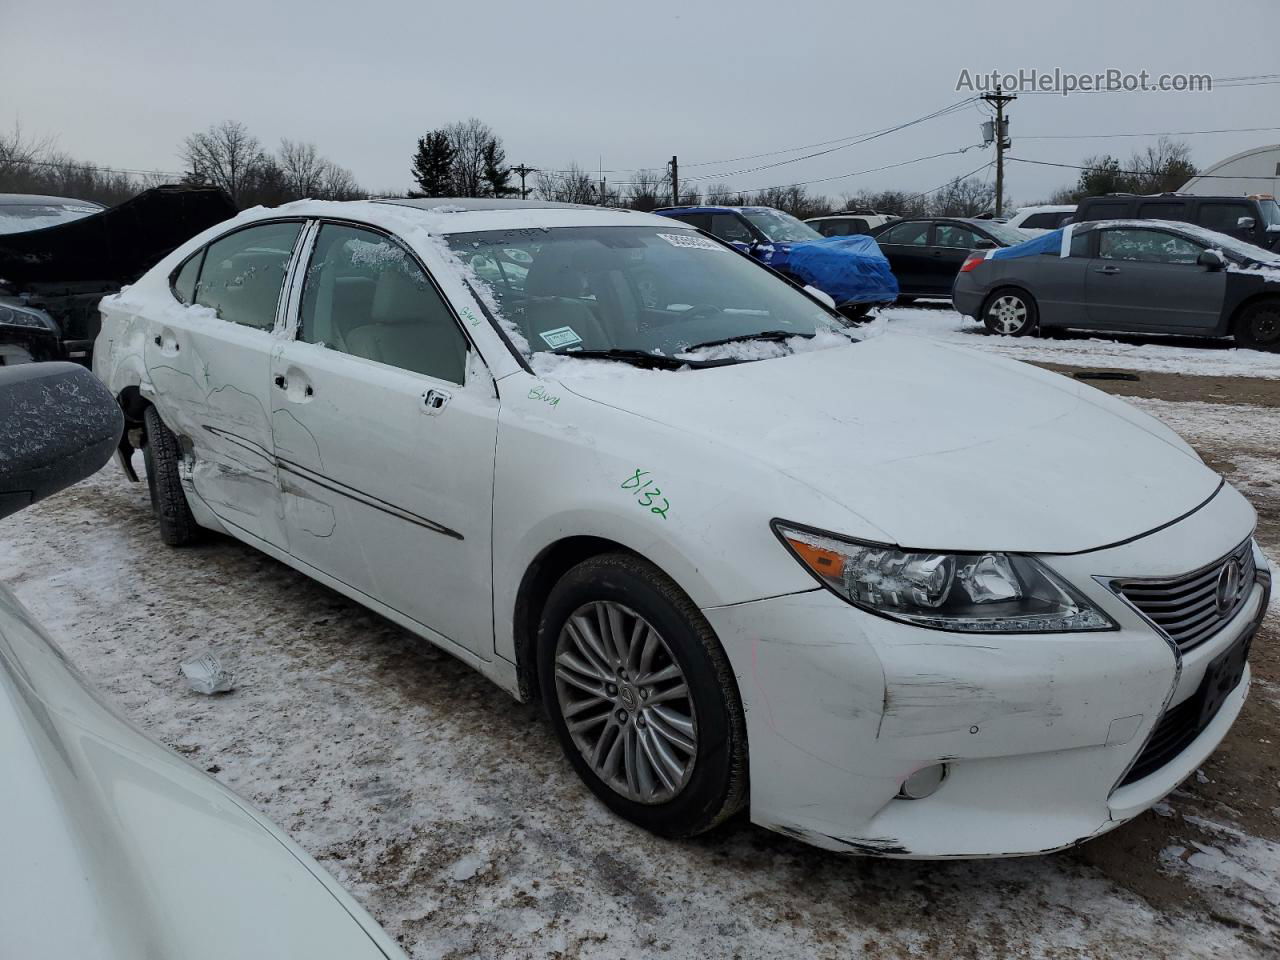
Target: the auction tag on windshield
(560, 337)
(690, 240)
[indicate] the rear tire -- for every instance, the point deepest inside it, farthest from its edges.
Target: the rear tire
(1258, 326)
(1010, 313)
(161, 453)
(659, 734)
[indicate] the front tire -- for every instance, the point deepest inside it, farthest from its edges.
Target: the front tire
(1010, 313)
(1258, 326)
(161, 454)
(641, 696)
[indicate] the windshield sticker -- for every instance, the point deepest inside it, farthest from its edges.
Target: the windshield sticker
(560, 337)
(653, 499)
(691, 240)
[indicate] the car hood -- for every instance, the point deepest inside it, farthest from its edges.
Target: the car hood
(936, 446)
(115, 848)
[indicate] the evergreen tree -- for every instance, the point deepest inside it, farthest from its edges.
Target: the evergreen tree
(497, 176)
(433, 164)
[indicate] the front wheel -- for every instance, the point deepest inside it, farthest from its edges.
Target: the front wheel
(1010, 313)
(642, 697)
(1258, 326)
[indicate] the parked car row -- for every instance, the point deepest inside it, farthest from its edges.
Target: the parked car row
(700, 567)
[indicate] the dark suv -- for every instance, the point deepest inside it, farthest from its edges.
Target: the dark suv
(1254, 219)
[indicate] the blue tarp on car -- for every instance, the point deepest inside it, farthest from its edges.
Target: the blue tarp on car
(849, 269)
(1050, 242)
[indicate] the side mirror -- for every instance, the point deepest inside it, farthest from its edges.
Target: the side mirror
(984, 243)
(1211, 260)
(820, 295)
(59, 425)
(1246, 223)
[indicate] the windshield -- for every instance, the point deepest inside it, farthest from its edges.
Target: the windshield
(1270, 212)
(17, 217)
(654, 289)
(781, 227)
(1005, 233)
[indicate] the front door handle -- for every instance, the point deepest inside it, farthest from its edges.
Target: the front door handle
(434, 400)
(1107, 270)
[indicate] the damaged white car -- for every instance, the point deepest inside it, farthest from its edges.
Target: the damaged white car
(926, 603)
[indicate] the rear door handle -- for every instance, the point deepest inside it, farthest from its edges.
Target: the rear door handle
(1106, 269)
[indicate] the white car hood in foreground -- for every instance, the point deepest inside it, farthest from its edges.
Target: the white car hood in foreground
(115, 849)
(936, 446)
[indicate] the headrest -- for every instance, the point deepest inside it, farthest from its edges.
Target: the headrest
(398, 297)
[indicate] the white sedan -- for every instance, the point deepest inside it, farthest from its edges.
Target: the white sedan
(892, 596)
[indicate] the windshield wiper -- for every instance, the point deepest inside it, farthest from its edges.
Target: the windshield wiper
(776, 335)
(640, 358)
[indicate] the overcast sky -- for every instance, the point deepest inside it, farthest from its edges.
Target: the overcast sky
(628, 85)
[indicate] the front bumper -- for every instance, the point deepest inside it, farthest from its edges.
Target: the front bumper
(1036, 731)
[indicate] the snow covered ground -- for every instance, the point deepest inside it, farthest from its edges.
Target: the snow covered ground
(449, 811)
(1215, 358)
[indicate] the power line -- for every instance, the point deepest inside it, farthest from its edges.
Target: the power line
(1162, 133)
(1136, 173)
(864, 139)
(859, 173)
(823, 143)
(86, 165)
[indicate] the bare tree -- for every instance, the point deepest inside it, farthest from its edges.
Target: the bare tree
(302, 167)
(226, 155)
(572, 185)
(963, 197)
(795, 200)
(1160, 168)
(723, 195)
(470, 140)
(648, 190)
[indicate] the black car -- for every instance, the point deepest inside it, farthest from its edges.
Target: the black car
(1143, 276)
(925, 253)
(54, 272)
(1254, 219)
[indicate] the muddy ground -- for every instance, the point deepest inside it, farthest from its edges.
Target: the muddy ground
(449, 812)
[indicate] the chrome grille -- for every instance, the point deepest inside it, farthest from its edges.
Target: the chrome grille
(1185, 608)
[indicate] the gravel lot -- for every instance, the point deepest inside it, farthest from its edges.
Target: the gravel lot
(448, 810)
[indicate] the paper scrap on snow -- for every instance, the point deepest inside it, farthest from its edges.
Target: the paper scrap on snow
(207, 675)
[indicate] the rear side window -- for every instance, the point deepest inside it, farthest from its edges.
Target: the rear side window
(1114, 210)
(184, 281)
(243, 273)
(364, 295)
(1162, 210)
(1045, 221)
(908, 233)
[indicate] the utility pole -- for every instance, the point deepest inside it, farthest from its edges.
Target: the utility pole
(1003, 143)
(524, 170)
(675, 182)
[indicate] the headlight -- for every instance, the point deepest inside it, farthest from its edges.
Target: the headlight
(966, 592)
(16, 317)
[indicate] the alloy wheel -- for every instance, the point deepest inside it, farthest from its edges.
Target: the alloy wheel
(1008, 314)
(625, 702)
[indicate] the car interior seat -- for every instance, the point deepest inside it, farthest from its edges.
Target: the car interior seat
(408, 326)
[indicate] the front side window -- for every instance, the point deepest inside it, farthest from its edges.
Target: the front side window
(950, 235)
(243, 273)
(911, 234)
(1224, 217)
(1146, 246)
(781, 227)
(635, 288)
(728, 227)
(366, 296)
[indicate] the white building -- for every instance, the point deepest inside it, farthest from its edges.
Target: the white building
(1253, 171)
